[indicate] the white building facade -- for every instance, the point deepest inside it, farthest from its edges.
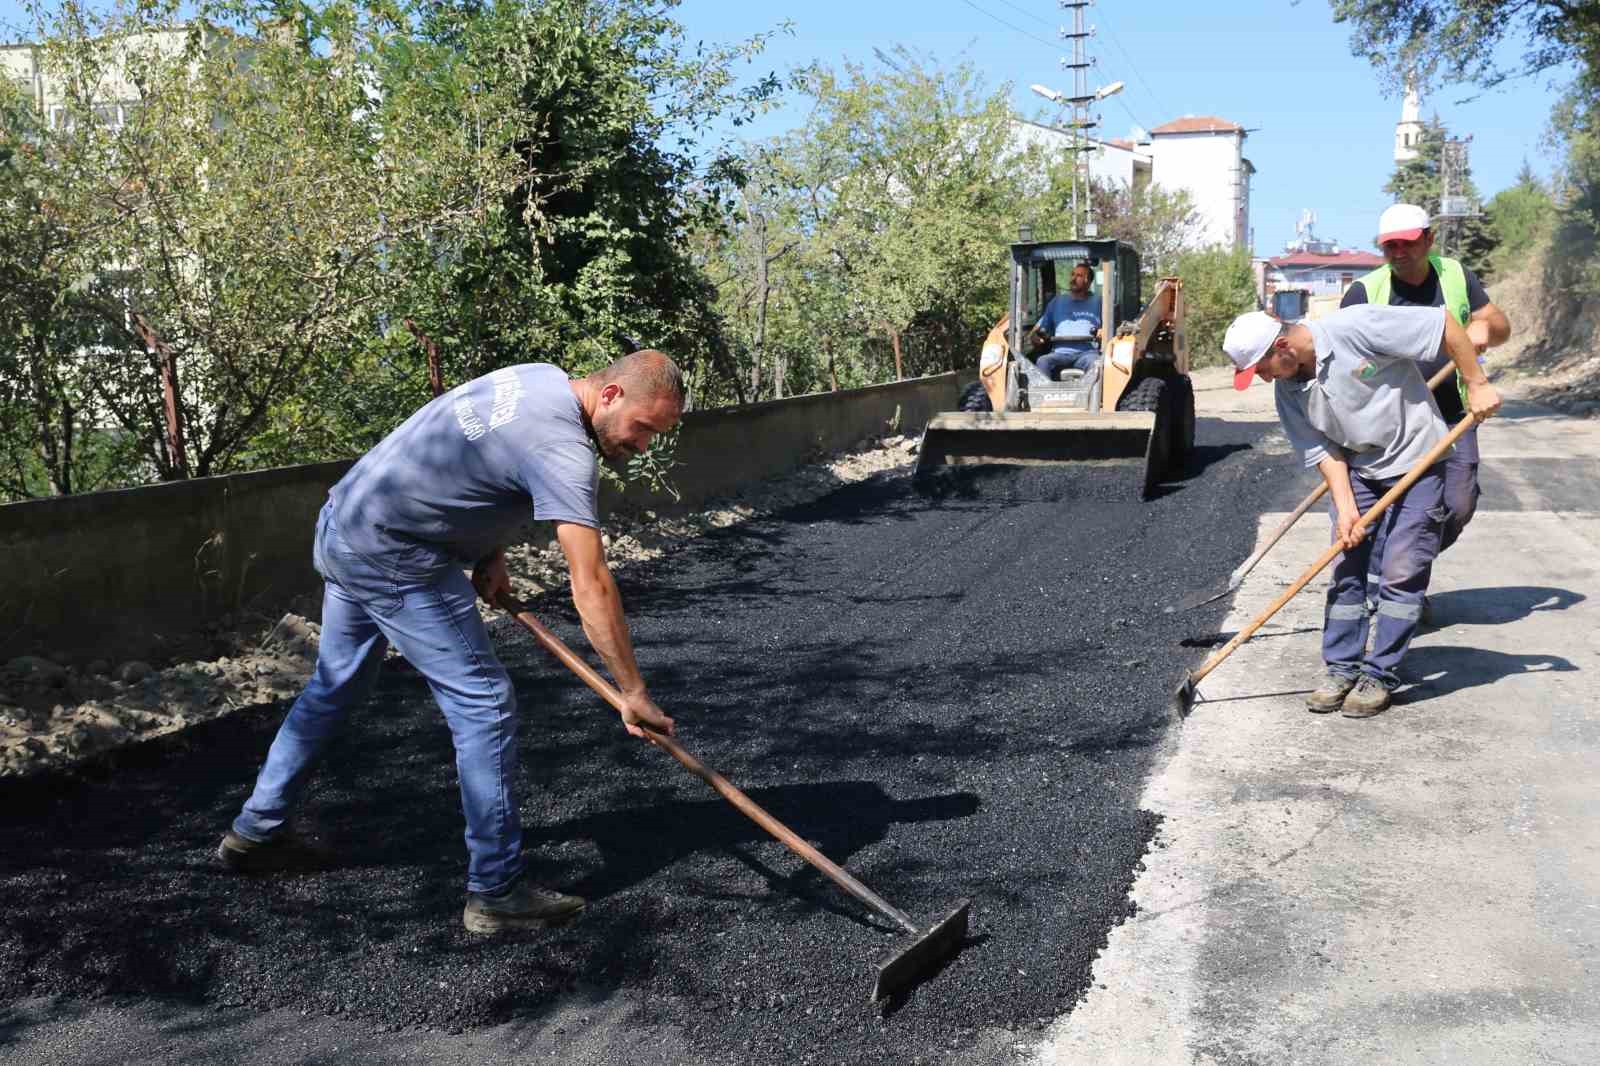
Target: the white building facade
(1317, 273)
(115, 97)
(1201, 155)
(1204, 155)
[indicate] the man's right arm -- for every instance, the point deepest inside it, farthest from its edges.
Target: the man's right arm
(1355, 294)
(1336, 472)
(1482, 399)
(599, 604)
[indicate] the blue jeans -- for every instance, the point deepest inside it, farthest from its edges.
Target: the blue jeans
(1053, 362)
(434, 622)
(1399, 552)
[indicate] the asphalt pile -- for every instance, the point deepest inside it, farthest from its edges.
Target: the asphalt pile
(953, 693)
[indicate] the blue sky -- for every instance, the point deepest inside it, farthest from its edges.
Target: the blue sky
(1322, 127)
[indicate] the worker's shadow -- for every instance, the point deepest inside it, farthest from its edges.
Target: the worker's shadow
(839, 818)
(1433, 671)
(1497, 605)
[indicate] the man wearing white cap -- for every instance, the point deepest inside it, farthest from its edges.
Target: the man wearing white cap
(1415, 276)
(1353, 401)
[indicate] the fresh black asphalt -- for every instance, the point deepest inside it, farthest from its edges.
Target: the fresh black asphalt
(954, 694)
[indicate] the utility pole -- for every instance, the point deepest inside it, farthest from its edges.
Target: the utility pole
(1079, 64)
(1079, 101)
(1454, 203)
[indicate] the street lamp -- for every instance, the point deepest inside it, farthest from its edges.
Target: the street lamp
(1079, 104)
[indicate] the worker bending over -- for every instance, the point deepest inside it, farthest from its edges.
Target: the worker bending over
(438, 495)
(1353, 402)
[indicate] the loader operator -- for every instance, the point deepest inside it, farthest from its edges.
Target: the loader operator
(1415, 276)
(1354, 403)
(1070, 324)
(440, 494)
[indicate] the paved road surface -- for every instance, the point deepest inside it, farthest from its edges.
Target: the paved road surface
(1415, 888)
(1421, 887)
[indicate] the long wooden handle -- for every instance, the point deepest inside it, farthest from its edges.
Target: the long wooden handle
(725, 788)
(1306, 504)
(1334, 549)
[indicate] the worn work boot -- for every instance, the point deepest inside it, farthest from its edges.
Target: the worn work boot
(284, 852)
(1329, 696)
(1370, 697)
(525, 906)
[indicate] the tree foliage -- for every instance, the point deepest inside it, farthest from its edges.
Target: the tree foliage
(1218, 285)
(1520, 217)
(296, 179)
(1458, 40)
(880, 228)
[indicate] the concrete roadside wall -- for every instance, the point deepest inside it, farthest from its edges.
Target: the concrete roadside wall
(140, 572)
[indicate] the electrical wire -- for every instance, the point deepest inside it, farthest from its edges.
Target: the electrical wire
(1055, 46)
(1160, 107)
(1052, 45)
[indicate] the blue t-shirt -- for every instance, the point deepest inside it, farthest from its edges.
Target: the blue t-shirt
(457, 477)
(1070, 323)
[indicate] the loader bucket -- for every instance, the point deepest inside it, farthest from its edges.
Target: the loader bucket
(1042, 437)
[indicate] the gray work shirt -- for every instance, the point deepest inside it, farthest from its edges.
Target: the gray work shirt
(459, 476)
(1367, 402)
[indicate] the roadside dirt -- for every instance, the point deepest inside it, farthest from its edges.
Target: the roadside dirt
(1553, 356)
(53, 714)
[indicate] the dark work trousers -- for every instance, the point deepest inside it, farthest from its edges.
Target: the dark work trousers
(1460, 502)
(1399, 552)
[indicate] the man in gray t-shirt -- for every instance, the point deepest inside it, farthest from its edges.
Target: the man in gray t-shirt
(1353, 402)
(442, 493)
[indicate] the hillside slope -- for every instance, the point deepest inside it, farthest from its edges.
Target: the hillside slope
(1553, 355)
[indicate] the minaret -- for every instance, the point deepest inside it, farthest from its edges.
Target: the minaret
(1408, 131)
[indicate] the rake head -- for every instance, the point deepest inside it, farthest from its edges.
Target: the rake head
(916, 960)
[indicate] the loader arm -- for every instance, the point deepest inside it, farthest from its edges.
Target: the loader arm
(992, 365)
(1163, 315)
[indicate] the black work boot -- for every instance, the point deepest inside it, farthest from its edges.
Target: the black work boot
(525, 906)
(284, 852)
(1370, 697)
(1329, 696)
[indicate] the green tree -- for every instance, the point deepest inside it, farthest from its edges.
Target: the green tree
(1520, 218)
(1163, 224)
(294, 180)
(1430, 41)
(49, 442)
(1458, 40)
(1575, 243)
(1218, 284)
(870, 243)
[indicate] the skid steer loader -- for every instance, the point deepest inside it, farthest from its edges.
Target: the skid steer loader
(1135, 402)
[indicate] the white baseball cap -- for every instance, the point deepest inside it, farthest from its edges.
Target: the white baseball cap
(1247, 340)
(1402, 222)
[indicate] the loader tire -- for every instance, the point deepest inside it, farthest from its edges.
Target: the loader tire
(1183, 423)
(1154, 394)
(975, 398)
(1146, 395)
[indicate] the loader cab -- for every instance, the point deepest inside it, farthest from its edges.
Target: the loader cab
(1041, 270)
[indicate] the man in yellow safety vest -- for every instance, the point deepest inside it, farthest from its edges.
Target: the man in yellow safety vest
(1415, 275)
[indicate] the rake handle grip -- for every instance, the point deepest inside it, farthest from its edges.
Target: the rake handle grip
(725, 788)
(1333, 551)
(1316, 494)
